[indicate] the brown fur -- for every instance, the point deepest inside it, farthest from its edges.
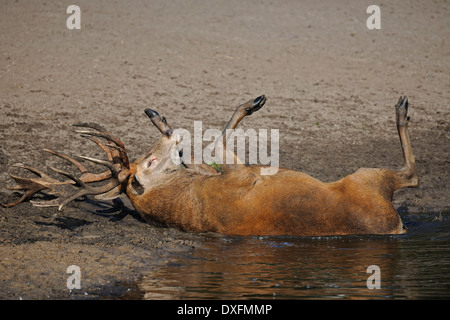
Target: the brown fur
(288, 203)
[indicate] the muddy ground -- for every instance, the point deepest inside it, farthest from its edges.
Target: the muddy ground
(331, 85)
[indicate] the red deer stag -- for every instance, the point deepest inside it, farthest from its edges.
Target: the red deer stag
(238, 200)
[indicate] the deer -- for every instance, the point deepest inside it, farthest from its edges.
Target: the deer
(237, 200)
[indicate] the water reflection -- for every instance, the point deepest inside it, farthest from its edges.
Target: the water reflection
(415, 265)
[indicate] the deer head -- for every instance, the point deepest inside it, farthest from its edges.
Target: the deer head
(148, 170)
(163, 158)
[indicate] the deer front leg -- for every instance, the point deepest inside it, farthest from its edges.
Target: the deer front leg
(240, 113)
(407, 174)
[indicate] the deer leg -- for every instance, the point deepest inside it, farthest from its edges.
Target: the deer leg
(406, 176)
(240, 113)
(244, 110)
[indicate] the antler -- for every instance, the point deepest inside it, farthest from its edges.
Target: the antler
(118, 170)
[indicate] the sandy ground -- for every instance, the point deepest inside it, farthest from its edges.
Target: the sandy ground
(331, 85)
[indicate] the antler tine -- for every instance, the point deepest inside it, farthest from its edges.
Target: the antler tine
(86, 175)
(91, 125)
(105, 147)
(34, 170)
(117, 144)
(85, 189)
(104, 163)
(70, 176)
(102, 135)
(88, 190)
(61, 201)
(31, 186)
(122, 155)
(68, 158)
(101, 132)
(119, 152)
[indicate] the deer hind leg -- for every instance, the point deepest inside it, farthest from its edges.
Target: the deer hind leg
(222, 147)
(406, 176)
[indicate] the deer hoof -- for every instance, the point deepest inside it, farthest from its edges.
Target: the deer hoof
(401, 109)
(258, 103)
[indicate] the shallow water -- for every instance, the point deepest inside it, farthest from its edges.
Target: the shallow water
(415, 265)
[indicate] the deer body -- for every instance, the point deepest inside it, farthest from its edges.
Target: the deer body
(239, 200)
(287, 203)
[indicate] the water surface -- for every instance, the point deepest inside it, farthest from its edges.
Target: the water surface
(412, 266)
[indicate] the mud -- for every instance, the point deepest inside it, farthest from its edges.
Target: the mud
(331, 85)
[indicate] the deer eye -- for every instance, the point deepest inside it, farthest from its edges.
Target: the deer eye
(151, 161)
